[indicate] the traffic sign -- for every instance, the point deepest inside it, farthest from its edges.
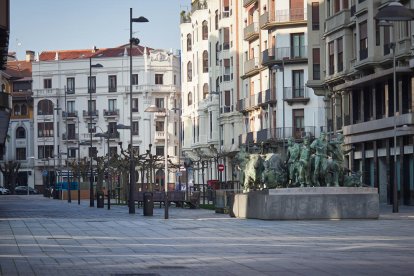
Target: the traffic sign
(44, 173)
(220, 167)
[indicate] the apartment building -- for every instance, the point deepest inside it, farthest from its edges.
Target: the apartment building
(210, 58)
(351, 66)
(273, 97)
(19, 143)
(79, 93)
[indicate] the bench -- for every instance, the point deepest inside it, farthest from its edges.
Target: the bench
(177, 197)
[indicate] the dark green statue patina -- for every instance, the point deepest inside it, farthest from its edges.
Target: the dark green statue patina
(320, 163)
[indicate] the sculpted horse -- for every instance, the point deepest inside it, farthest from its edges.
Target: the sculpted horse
(253, 172)
(275, 173)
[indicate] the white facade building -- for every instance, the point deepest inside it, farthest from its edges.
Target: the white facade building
(61, 77)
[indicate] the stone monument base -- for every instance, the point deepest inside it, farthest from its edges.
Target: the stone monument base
(308, 203)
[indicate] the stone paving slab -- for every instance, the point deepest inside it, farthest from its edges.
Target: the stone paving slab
(41, 236)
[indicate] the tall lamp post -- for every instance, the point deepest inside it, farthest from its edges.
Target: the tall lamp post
(153, 108)
(92, 86)
(395, 11)
(135, 41)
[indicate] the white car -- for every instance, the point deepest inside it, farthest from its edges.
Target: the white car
(4, 191)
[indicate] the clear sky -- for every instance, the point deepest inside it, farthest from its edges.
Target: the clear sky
(41, 25)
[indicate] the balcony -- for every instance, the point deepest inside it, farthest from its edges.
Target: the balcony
(296, 95)
(114, 135)
(70, 137)
(338, 21)
(251, 32)
(70, 114)
(270, 96)
(251, 66)
(247, 3)
(241, 105)
(289, 54)
(87, 114)
(227, 109)
(283, 17)
(153, 88)
(111, 113)
(297, 132)
(159, 135)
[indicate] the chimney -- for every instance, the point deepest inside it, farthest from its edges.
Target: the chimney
(30, 55)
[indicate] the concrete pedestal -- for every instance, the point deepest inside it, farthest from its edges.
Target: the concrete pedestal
(308, 203)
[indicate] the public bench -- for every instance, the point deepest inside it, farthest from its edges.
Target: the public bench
(176, 197)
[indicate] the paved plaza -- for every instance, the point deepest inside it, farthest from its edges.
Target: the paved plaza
(41, 236)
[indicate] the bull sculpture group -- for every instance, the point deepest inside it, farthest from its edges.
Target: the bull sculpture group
(320, 163)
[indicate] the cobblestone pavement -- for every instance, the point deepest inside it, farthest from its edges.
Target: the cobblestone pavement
(41, 236)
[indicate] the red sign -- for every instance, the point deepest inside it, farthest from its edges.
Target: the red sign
(220, 167)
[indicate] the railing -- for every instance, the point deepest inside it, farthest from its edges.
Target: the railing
(251, 65)
(70, 136)
(251, 30)
(159, 135)
(291, 52)
(114, 135)
(248, 2)
(270, 96)
(153, 88)
(363, 54)
(94, 113)
(296, 92)
(226, 109)
(241, 105)
(339, 19)
(290, 15)
(70, 114)
(263, 19)
(111, 112)
(297, 133)
(46, 92)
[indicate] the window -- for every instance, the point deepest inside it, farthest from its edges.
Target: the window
(45, 107)
(113, 151)
(205, 90)
(159, 102)
(135, 79)
(111, 104)
(92, 152)
(227, 100)
(337, 6)
(71, 135)
(216, 19)
(91, 107)
(20, 133)
(92, 84)
(316, 63)
(298, 85)
(189, 98)
(175, 79)
(45, 129)
(315, 16)
(189, 71)
(298, 123)
(91, 128)
(204, 30)
(227, 73)
(47, 83)
(70, 106)
(298, 49)
(363, 41)
(44, 152)
(72, 153)
(340, 55)
(112, 83)
(159, 125)
(70, 85)
(189, 42)
(226, 38)
(159, 150)
(135, 105)
(331, 58)
(205, 62)
(112, 129)
(135, 128)
(159, 78)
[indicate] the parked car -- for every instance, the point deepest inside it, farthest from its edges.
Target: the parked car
(22, 190)
(4, 191)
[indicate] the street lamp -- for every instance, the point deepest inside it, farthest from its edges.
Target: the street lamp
(34, 175)
(395, 11)
(154, 109)
(135, 41)
(106, 135)
(98, 65)
(282, 68)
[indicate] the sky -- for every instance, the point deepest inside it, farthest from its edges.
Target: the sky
(42, 25)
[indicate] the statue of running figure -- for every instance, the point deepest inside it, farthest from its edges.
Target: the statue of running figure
(320, 146)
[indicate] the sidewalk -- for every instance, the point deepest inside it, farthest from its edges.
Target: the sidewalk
(41, 236)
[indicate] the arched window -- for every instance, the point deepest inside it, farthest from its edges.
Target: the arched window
(190, 98)
(16, 110)
(205, 90)
(159, 177)
(23, 109)
(189, 43)
(204, 30)
(45, 107)
(20, 133)
(189, 71)
(205, 62)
